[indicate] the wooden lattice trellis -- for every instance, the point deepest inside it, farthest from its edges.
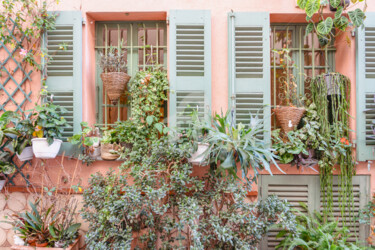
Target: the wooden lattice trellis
(11, 87)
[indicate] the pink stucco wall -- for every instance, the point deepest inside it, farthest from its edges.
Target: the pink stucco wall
(284, 11)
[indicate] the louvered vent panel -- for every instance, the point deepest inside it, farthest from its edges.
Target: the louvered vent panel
(65, 99)
(249, 52)
(294, 194)
(249, 104)
(370, 52)
(370, 118)
(61, 63)
(354, 228)
(190, 50)
(186, 102)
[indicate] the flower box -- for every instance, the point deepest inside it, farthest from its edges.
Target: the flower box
(74, 246)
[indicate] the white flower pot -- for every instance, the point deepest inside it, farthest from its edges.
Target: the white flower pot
(27, 154)
(198, 156)
(43, 150)
(2, 184)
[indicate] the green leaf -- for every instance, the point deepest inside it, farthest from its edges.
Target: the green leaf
(302, 3)
(357, 17)
(325, 26)
(335, 3)
(309, 28)
(149, 119)
(338, 12)
(159, 127)
(312, 6)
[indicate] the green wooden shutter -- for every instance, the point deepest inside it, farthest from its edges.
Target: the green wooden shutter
(294, 189)
(189, 65)
(249, 67)
(366, 88)
(64, 73)
(306, 188)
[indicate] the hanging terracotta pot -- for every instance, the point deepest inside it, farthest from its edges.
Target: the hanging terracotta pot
(114, 83)
(289, 117)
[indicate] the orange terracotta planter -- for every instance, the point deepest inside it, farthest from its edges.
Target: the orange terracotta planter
(74, 246)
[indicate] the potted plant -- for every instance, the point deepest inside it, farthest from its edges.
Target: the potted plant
(6, 168)
(49, 125)
(46, 226)
(89, 139)
(126, 132)
(114, 74)
(109, 145)
(289, 114)
(22, 143)
(196, 133)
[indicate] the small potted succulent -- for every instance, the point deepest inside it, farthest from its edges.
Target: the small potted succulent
(89, 139)
(289, 114)
(109, 145)
(22, 143)
(114, 74)
(49, 125)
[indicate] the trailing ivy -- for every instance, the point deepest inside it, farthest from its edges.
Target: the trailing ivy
(335, 149)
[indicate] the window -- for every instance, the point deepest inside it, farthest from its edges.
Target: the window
(309, 58)
(144, 44)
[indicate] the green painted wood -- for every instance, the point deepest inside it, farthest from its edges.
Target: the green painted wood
(249, 67)
(65, 70)
(189, 65)
(365, 70)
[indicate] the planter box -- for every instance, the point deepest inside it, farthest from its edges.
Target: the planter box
(27, 154)
(74, 246)
(43, 150)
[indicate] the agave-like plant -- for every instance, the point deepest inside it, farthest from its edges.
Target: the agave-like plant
(230, 144)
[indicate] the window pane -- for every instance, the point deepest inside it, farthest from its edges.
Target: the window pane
(113, 37)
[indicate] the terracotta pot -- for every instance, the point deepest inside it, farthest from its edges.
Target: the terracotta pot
(74, 246)
(41, 244)
(114, 84)
(106, 152)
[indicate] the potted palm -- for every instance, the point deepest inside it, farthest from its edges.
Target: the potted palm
(114, 74)
(49, 125)
(289, 114)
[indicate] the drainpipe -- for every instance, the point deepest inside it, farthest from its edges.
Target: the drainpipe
(232, 67)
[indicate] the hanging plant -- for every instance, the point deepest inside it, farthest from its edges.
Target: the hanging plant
(334, 120)
(325, 27)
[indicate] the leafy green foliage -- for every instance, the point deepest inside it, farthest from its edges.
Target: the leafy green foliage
(312, 6)
(25, 129)
(7, 134)
(335, 3)
(365, 216)
(48, 121)
(164, 203)
(325, 26)
(357, 17)
(313, 233)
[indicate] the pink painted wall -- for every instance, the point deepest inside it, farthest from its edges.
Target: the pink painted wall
(96, 10)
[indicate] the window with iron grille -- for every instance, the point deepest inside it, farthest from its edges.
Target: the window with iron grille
(309, 58)
(144, 44)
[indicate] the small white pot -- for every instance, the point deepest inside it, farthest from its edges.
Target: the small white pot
(44, 151)
(198, 156)
(2, 184)
(27, 154)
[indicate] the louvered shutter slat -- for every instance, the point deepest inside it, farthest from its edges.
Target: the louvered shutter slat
(64, 72)
(249, 67)
(365, 50)
(189, 66)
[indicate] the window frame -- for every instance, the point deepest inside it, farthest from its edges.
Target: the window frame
(132, 56)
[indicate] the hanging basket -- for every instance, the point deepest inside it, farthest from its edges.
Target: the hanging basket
(115, 84)
(289, 117)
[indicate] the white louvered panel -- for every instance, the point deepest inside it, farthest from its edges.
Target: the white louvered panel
(190, 50)
(370, 52)
(370, 117)
(186, 102)
(249, 104)
(294, 194)
(249, 52)
(61, 63)
(354, 228)
(65, 99)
